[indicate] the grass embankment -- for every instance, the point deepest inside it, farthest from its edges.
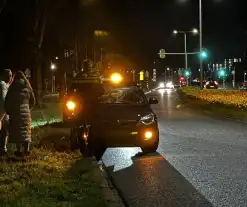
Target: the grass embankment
(50, 176)
(226, 103)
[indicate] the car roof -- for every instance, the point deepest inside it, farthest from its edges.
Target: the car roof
(86, 79)
(121, 85)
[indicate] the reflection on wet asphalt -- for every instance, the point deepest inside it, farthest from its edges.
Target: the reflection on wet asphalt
(202, 161)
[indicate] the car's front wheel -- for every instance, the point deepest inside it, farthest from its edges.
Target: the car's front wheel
(150, 148)
(84, 149)
(96, 147)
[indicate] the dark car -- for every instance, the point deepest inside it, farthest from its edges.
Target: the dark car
(122, 118)
(243, 86)
(211, 84)
(127, 119)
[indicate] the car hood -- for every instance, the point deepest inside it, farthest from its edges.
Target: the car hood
(114, 112)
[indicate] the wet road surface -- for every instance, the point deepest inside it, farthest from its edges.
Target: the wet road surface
(201, 161)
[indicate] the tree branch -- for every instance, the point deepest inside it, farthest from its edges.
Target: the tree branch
(36, 23)
(3, 6)
(43, 27)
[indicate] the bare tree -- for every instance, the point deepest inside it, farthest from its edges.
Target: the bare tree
(39, 28)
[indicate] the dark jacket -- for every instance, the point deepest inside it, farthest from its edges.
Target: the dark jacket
(18, 103)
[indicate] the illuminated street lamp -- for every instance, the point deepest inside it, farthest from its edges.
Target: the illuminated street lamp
(53, 67)
(53, 78)
(195, 31)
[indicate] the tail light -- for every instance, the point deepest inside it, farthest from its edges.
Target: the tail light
(207, 83)
(215, 82)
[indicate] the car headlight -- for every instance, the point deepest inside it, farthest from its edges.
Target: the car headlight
(116, 78)
(169, 85)
(148, 119)
(162, 85)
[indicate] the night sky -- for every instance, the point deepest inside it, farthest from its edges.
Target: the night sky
(142, 27)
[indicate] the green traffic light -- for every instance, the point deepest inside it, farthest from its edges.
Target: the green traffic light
(187, 73)
(222, 73)
(204, 54)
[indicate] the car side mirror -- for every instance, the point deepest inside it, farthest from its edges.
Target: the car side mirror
(153, 100)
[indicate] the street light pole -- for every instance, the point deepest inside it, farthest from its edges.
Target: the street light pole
(186, 56)
(101, 60)
(200, 30)
(185, 50)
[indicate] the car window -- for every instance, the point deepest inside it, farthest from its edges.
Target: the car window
(129, 95)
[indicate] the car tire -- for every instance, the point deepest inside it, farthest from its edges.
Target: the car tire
(96, 148)
(84, 149)
(151, 148)
(74, 144)
(99, 152)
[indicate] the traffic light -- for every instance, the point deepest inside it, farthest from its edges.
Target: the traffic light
(203, 54)
(222, 72)
(186, 73)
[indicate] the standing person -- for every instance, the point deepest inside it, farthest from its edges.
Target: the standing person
(18, 104)
(5, 80)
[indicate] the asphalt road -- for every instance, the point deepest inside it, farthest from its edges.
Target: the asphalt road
(201, 161)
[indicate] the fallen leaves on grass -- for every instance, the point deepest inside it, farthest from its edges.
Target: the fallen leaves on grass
(233, 98)
(50, 179)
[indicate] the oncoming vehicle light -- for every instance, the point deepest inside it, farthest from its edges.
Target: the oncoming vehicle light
(162, 85)
(116, 78)
(169, 85)
(70, 105)
(148, 135)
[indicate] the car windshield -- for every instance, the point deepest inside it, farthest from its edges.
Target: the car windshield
(128, 95)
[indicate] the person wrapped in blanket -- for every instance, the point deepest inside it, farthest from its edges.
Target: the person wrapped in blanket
(18, 104)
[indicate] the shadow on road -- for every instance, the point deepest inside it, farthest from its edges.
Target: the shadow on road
(152, 181)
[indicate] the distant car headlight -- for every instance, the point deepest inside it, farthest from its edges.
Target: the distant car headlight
(148, 119)
(169, 85)
(162, 85)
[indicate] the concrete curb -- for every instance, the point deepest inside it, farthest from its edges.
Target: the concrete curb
(114, 186)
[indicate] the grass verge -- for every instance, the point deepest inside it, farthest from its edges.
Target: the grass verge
(216, 109)
(51, 113)
(50, 177)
